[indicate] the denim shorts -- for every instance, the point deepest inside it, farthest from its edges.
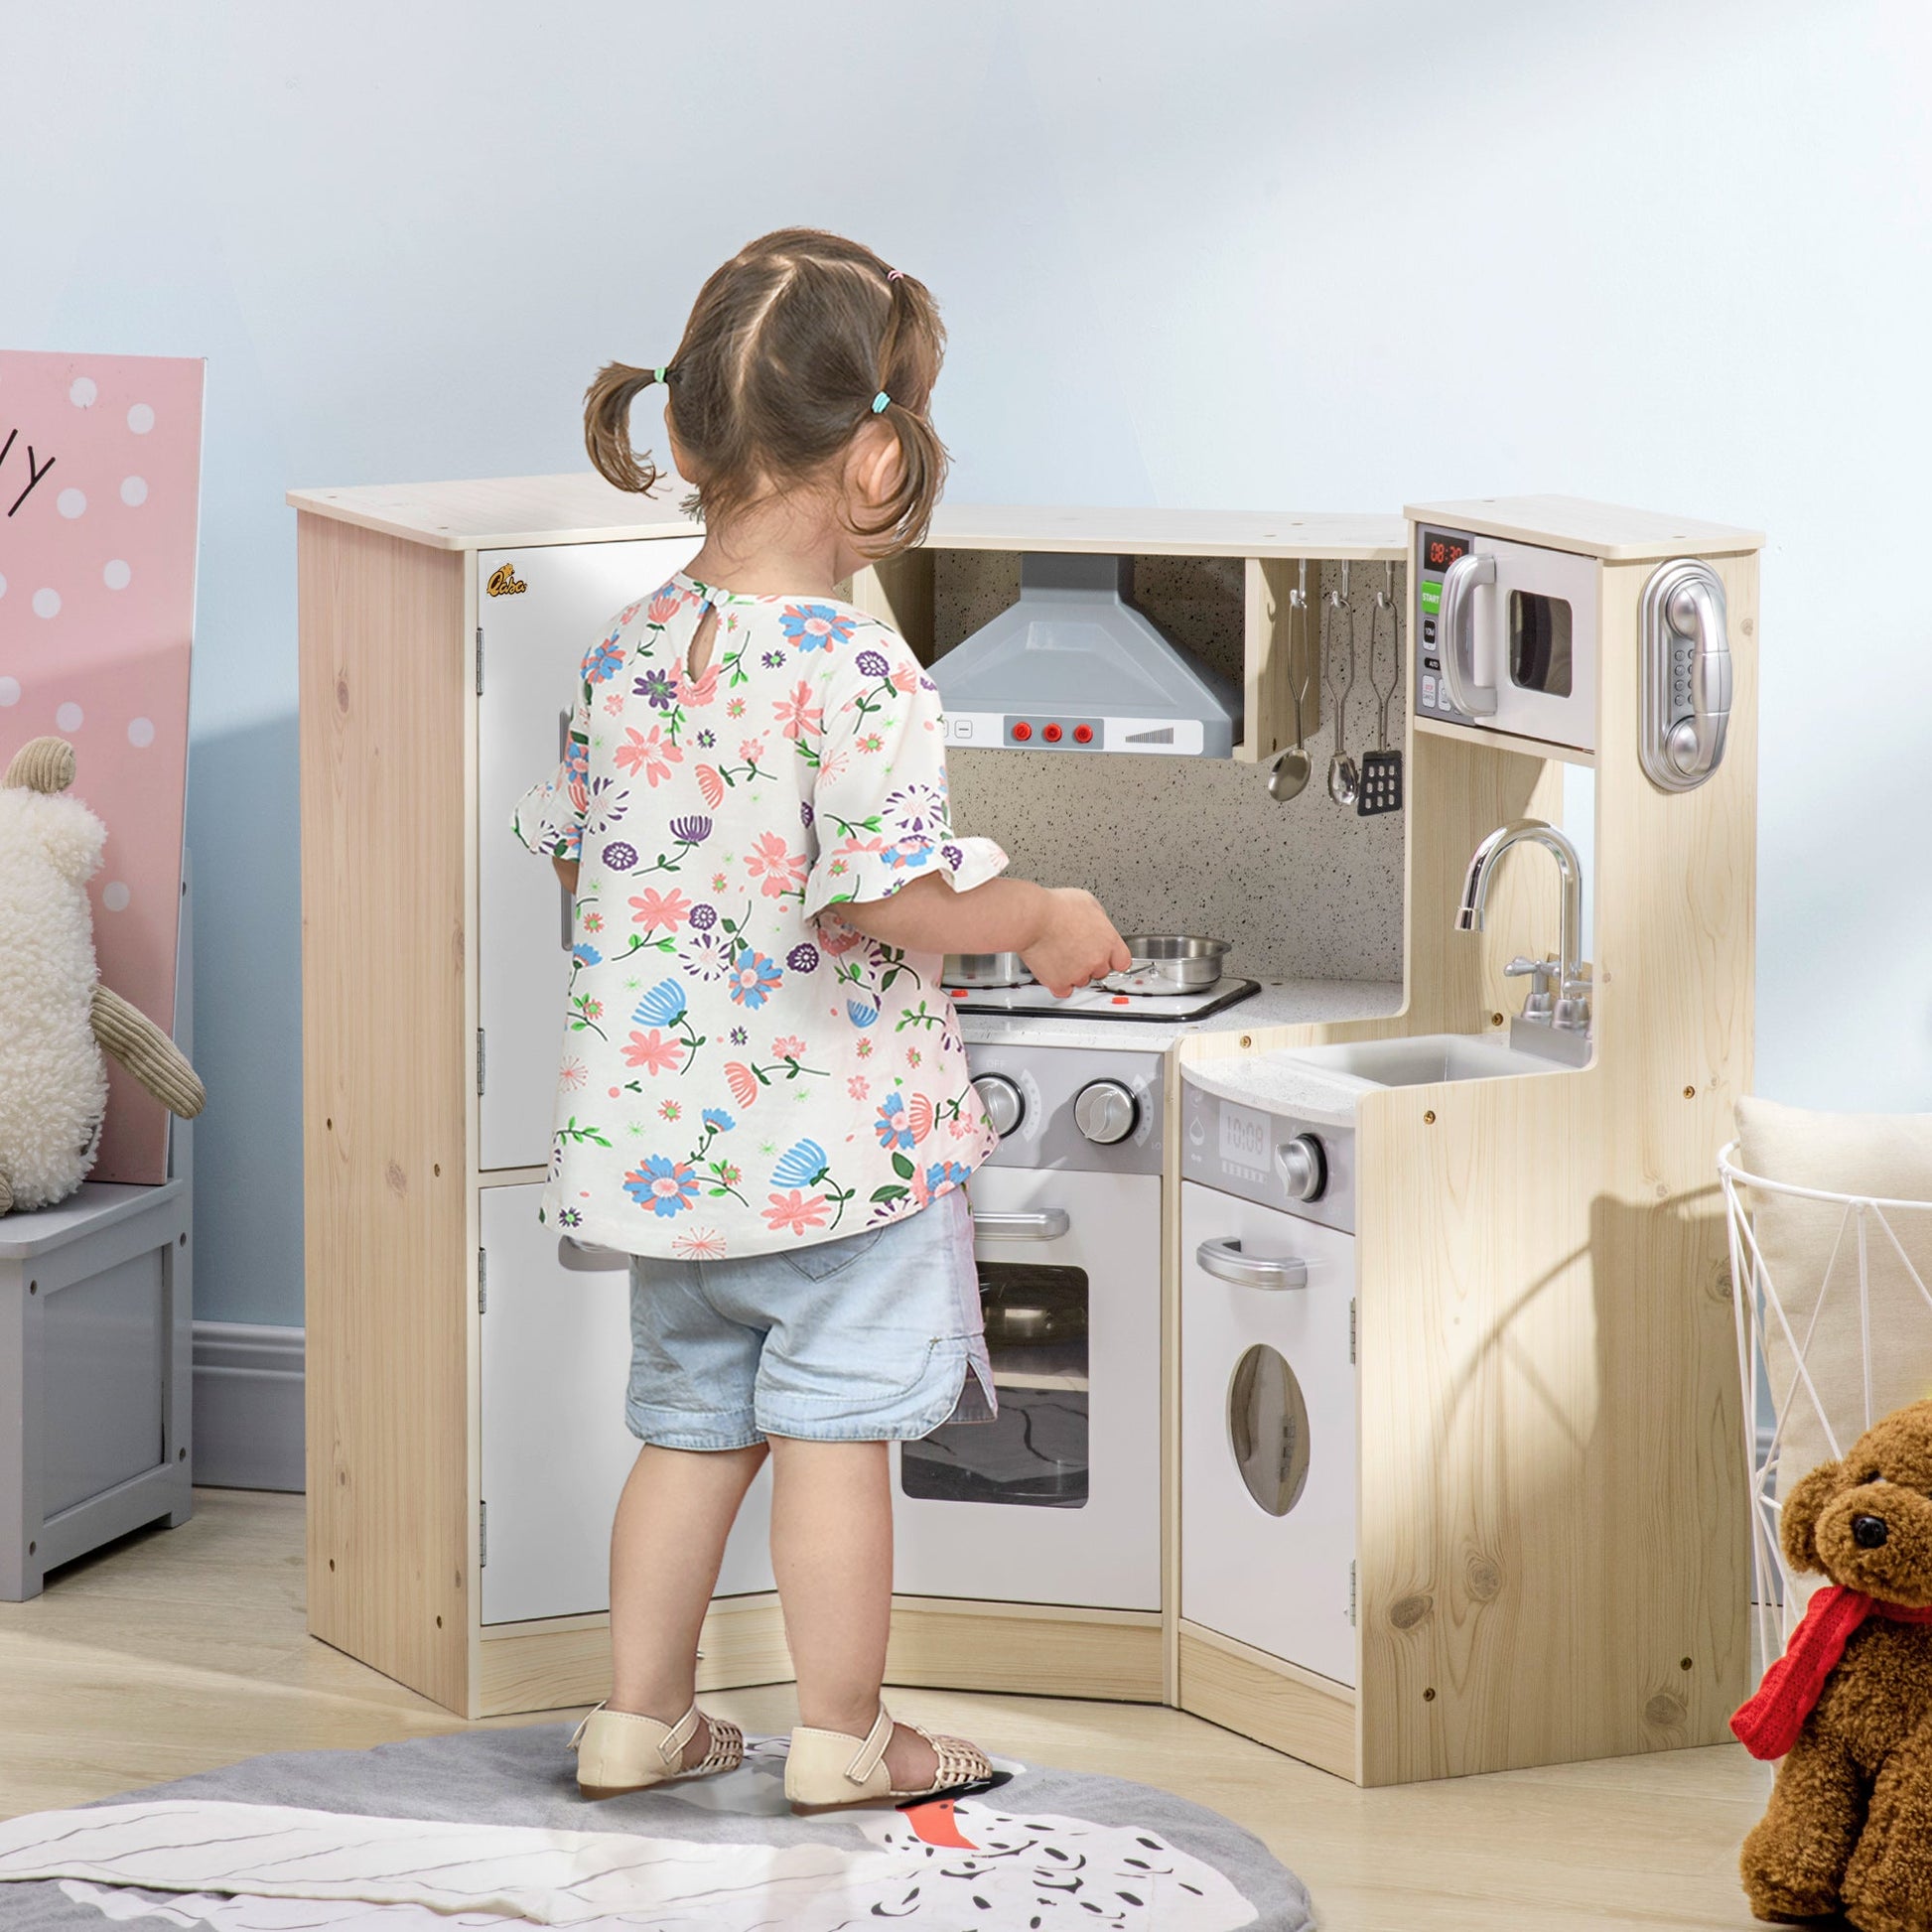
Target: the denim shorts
(873, 1338)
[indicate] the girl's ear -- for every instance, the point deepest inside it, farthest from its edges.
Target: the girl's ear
(1798, 1519)
(874, 467)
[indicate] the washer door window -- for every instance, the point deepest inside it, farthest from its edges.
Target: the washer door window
(1268, 1429)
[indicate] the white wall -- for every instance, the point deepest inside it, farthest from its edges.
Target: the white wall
(1340, 255)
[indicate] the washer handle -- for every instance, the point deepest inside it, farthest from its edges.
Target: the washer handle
(1224, 1260)
(1049, 1224)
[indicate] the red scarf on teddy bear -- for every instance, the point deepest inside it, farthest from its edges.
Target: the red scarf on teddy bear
(1769, 1723)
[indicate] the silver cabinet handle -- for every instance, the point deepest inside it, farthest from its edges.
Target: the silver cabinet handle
(1049, 1224)
(1459, 581)
(1226, 1263)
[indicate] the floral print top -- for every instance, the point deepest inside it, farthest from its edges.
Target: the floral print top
(741, 1070)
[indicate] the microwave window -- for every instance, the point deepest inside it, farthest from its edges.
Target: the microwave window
(1538, 643)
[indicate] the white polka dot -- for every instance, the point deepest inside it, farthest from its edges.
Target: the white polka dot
(115, 895)
(47, 604)
(134, 491)
(9, 690)
(69, 717)
(71, 503)
(140, 732)
(140, 419)
(82, 393)
(117, 575)
(3, 587)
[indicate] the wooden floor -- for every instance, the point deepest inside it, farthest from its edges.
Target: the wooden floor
(178, 1650)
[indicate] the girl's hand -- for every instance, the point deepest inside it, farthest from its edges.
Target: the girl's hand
(1077, 945)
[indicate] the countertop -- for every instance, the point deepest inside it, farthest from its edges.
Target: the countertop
(1283, 1003)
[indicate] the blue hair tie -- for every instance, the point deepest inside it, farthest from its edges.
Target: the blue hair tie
(879, 402)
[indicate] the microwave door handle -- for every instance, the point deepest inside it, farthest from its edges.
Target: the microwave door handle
(1695, 610)
(1049, 1224)
(1224, 1260)
(1460, 582)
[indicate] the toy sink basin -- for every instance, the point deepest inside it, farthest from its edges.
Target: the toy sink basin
(1425, 1061)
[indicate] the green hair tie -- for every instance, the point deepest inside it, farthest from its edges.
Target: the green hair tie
(660, 373)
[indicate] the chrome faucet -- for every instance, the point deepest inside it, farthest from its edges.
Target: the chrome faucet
(1554, 1019)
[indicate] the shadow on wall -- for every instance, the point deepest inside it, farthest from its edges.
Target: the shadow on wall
(244, 829)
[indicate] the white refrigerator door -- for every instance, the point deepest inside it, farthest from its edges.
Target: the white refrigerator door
(534, 642)
(1280, 1582)
(556, 1359)
(1106, 1552)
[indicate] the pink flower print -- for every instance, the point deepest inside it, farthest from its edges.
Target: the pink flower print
(781, 869)
(741, 1081)
(652, 754)
(669, 1110)
(912, 1056)
(794, 1213)
(797, 714)
(592, 922)
(789, 1046)
(858, 1087)
(653, 909)
(696, 692)
(700, 1244)
(613, 704)
(573, 1074)
(906, 679)
(921, 1116)
(712, 786)
(654, 1051)
(751, 749)
(872, 742)
(862, 1048)
(664, 605)
(734, 708)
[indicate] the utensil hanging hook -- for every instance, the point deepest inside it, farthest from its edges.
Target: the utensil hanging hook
(1344, 782)
(1288, 777)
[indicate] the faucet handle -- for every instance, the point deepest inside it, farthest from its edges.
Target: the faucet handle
(1543, 975)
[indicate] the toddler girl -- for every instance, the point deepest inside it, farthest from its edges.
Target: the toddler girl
(766, 1101)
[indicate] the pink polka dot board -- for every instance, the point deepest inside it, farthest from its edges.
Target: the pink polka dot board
(101, 461)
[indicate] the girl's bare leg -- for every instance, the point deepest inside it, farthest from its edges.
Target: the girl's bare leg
(668, 1540)
(832, 1554)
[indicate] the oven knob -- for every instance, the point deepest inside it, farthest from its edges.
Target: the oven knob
(1303, 1167)
(1002, 1100)
(1106, 1112)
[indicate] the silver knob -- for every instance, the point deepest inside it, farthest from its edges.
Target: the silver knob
(1304, 1165)
(1002, 1099)
(1106, 1112)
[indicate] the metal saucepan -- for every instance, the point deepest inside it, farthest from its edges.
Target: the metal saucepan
(1168, 962)
(985, 969)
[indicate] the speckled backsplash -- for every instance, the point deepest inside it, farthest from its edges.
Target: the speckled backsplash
(1302, 889)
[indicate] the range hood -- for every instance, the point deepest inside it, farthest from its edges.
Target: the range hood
(1074, 667)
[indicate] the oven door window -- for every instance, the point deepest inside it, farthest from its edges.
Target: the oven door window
(1538, 643)
(1034, 1455)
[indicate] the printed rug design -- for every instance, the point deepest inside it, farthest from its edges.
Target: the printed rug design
(482, 1831)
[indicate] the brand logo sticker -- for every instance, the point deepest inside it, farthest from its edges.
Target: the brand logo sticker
(504, 582)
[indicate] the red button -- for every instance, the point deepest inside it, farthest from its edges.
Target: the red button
(1051, 734)
(1023, 730)
(1121, 1000)
(1083, 734)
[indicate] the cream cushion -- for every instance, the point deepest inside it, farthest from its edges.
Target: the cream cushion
(1879, 1155)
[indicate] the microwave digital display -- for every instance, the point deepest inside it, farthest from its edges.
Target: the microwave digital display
(1440, 551)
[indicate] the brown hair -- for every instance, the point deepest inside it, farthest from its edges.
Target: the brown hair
(786, 348)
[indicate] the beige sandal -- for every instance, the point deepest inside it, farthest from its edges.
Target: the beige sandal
(828, 1769)
(619, 1751)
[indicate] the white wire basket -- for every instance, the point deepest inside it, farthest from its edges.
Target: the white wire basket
(1868, 1226)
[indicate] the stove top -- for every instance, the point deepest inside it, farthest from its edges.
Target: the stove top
(1097, 1002)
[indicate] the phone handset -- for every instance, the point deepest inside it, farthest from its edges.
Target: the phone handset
(1685, 650)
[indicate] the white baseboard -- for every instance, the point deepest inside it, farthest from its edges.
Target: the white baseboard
(249, 1383)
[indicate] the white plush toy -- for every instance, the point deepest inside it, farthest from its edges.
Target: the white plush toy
(56, 1017)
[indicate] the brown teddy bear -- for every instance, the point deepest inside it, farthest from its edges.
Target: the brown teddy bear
(1849, 1705)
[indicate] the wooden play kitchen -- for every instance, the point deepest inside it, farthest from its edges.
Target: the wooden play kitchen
(1515, 1533)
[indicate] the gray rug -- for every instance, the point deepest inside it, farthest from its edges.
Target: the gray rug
(304, 1841)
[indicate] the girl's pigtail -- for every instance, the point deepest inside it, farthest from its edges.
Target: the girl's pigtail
(910, 320)
(606, 426)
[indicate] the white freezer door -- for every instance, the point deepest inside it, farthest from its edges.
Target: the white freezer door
(534, 642)
(556, 1359)
(1279, 1582)
(1106, 1552)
